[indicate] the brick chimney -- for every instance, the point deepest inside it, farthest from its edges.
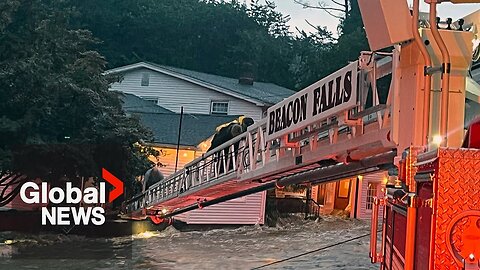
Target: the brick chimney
(246, 74)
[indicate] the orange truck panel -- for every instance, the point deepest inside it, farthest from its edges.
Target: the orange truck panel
(456, 233)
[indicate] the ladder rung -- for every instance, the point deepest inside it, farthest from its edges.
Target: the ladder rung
(313, 132)
(368, 111)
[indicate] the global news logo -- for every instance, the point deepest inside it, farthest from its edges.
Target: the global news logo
(32, 193)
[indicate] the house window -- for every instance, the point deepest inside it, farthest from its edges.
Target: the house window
(219, 107)
(371, 193)
(145, 79)
(153, 100)
(343, 189)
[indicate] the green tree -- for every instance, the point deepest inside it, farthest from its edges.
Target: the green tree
(313, 52)
(352, 37)
(328, 54)
(219, 37)
(57, 116)
(216, 37)
(267, 45)
(335, 8)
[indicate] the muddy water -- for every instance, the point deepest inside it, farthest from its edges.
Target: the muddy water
(240, 248)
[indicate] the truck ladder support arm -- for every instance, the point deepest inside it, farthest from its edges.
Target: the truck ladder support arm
(445, 73)
(427, 79)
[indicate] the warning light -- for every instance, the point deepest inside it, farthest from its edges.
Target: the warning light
(437, 140)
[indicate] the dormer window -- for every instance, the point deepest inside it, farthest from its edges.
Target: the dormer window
(145, 79)
(153, 100)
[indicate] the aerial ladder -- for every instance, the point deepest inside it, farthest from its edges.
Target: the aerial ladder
(290, 146)
(401, 105)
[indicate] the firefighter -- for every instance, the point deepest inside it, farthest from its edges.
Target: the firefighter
(227, 132)
(152, 176)
(230, 130)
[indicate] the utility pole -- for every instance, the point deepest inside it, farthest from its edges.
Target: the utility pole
(178, 140)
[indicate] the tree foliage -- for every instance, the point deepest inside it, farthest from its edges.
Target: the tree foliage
(209, 36)
(219, 37)
(57, 116)
(335, 8)
(331, 53)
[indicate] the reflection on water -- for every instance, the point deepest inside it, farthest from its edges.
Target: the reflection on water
(241, 248)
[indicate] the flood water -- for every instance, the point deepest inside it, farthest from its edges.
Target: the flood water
(232, 248)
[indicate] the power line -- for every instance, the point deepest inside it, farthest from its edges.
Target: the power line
(312, 251)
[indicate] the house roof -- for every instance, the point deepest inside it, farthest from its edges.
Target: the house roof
(164, 123)
(260, 93)
(132, 104)
(195, 127)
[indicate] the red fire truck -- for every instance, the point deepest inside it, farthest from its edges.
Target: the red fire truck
(431, 217)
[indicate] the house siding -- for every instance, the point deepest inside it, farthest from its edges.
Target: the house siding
(362, 211)
(173, 93)
(168, 159)
(246, 210)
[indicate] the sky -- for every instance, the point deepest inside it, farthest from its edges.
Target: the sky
(298, 14)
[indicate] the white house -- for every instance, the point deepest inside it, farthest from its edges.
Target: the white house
(198, 92)
(208, 101)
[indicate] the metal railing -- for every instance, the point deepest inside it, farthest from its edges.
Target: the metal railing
(227, 161)
(312, 208)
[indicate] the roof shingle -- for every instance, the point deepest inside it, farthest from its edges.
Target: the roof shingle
(266, 92)
(164, 123)
(132, 104)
